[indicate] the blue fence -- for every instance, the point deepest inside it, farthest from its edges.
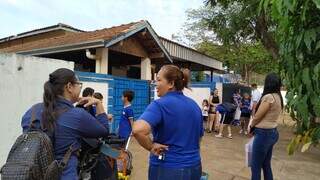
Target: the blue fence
(116, 85)
(144, 93)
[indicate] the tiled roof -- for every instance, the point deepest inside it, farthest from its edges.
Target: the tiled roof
(75, 38)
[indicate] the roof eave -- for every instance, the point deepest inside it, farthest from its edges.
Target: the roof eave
(64, 48)
(139, 27)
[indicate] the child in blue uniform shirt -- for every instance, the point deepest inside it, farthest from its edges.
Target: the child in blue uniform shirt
(245, 113)
(126, 119)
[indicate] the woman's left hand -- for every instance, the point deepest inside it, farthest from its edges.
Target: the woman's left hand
(157, 148)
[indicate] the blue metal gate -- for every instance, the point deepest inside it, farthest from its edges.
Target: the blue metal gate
(116, 85)
(140, 101)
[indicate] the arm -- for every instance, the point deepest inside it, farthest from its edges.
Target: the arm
(141, 131)
(131, 121)
(91, 126)
(263, 109)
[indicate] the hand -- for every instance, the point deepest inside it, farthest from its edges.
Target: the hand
(88, 101)
(157, 148)
(250, 134)
(110, 117)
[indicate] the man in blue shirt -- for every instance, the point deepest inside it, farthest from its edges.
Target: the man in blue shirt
(126, 119)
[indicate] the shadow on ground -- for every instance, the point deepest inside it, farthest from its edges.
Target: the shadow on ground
(224, 159)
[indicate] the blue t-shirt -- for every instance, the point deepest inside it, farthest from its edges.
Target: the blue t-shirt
(71, 126)
(176, 121)
(124, 124)
(245, 106)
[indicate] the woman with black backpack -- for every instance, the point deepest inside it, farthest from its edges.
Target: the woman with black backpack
(66, 124)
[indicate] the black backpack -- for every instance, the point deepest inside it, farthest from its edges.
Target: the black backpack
(32, 158)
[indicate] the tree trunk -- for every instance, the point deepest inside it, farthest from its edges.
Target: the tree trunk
(266, 38)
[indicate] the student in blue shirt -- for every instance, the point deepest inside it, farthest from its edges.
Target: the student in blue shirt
(245, 113)
(176, 124)
(126, 119)
(68, 124)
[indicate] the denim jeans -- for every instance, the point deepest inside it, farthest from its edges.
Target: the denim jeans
(163, 173)
(263, 142)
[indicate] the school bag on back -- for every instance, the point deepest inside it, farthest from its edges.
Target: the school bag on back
(32, 158)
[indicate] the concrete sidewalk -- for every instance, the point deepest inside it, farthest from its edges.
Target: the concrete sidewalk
(224, 159)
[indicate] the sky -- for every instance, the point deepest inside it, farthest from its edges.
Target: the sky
(165, 16)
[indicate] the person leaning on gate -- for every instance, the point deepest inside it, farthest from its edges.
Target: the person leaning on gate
(176, 124)
(264, 127)
(67, 123)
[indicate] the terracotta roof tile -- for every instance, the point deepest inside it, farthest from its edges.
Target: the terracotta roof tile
(74, 38)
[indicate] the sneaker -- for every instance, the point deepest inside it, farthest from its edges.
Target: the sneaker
(246, 132)
(218, 136)
(230, 136)
(241, 131)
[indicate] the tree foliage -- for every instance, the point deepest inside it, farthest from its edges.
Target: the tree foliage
(298, 35)
(237, 21)
(243, 58)
(227, 34)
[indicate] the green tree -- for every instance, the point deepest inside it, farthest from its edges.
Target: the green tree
(243, 58)
(222, 31)
(235, 21)
(298, 35)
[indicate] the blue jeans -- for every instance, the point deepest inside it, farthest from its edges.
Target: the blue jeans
(163, 173)
(263, 142)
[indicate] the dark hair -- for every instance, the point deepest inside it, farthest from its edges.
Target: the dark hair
(254, 85)
(179, 77)
(272, 84)
(98, 95)
(128, 94)
(53, 88)
(205, 101)
(87, 92)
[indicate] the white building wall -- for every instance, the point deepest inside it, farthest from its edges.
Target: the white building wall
(98, 87)
(197, 94)
(21, 86)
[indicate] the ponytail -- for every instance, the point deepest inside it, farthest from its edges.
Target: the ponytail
(186, 77)
(49, 103)
(54, 88)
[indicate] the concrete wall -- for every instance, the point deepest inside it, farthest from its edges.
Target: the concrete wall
(98, 87)
(21, 86)
(198, 94)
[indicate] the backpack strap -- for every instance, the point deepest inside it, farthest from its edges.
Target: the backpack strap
(66, 157)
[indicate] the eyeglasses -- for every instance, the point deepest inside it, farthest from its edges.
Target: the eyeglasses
(79, 83)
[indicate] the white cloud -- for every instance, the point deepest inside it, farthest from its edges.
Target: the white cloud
(165, 16)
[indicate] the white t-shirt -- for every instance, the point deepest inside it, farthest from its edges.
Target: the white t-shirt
(205, 110)
(256, 95)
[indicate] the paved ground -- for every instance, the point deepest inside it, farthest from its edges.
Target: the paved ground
(224, 159)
